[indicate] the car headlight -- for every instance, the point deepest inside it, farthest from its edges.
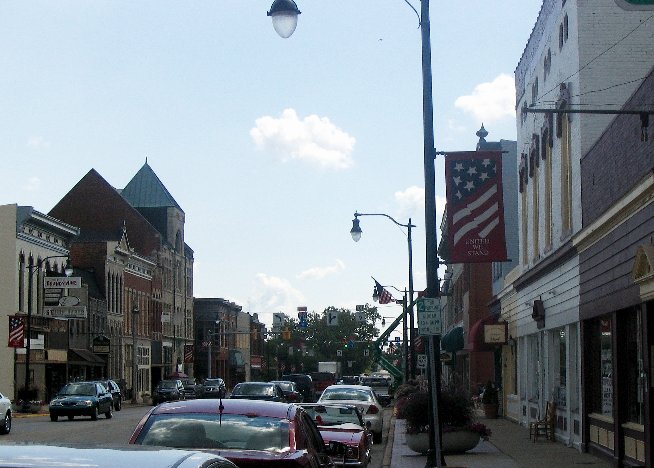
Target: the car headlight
(352, 452)
(86, 402)
(55, 403)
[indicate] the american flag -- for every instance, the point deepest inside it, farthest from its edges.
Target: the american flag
(16, 331)
(475, 207)
(384, 296)
(188, 353)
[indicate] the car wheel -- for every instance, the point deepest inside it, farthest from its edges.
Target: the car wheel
(119, 404)
(94, 413)
(110, 413)
(377, 437)
(53, 417)
(6, 424)
(71, 417)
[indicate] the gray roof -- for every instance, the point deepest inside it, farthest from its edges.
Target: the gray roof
(145, 190)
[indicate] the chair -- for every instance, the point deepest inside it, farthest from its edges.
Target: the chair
(545, 426)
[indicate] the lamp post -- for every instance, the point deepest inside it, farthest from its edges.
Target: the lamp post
(210, 335)
(407, 310)
(289, 8)
(135, 315)
(68, 271)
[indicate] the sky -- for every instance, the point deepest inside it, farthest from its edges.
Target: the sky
(269, 145)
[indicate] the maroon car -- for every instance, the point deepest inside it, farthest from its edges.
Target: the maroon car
(250, 433)
(344, 424)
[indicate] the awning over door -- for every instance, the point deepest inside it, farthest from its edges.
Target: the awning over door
(486, 333)
(84, 357)
(452, 341)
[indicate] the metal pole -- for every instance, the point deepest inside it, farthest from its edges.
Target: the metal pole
(209, 358)
(412, 332)
(435, 455)
(135, 313)
(30, 293)
(405, 346)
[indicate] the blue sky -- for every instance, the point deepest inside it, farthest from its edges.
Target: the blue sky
(269, 145)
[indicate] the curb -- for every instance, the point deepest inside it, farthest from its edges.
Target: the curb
(388, 452)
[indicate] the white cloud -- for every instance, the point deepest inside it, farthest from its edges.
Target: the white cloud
(274, 294)
(492, 101)
(33, 184)
(411, 201)
(38, 143)
(315, 140)
(321, 272)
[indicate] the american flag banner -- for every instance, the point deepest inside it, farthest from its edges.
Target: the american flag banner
(188, 353)
(16, 331)
(384, 296)
(475, 207)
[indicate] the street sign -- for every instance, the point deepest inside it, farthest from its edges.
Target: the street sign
(278, 321)
(366, 352)
(62, 282)
(360, 317)
(429, 316)
(332, 318)
(360, 308)
(75, 312)
(339, 352)
(422, 361)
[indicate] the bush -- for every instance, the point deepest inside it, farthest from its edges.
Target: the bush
(415, 410)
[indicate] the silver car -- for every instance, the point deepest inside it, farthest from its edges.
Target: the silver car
(363, 398)
(5, 414)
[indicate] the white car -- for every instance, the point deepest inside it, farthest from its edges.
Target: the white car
(363, 398)
(5, 414)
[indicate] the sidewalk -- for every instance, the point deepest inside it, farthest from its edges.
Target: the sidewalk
(508, 447)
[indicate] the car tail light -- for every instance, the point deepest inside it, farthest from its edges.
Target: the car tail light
(372, 409)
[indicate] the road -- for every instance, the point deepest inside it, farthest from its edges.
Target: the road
(115, 431)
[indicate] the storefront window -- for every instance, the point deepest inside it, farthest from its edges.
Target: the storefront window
(559, 366)
(534, 368)
(573, 380)
(606, 366)
(635, 373)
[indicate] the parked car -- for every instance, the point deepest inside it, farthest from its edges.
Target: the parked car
(29, 454)
(364, 399)
(5, 415)
(322, 380)
(116, 395)
(349, 380)
(82, 399)
(191, 388)
(168, 390)
(344, 424)
(381, 386)
(249, 433)
(213, 388)
(304, 384)
(290, 390)
(258, 391)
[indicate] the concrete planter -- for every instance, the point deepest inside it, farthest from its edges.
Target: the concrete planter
(453, 442)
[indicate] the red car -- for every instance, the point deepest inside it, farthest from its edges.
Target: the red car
(250, 433)
(343, 424)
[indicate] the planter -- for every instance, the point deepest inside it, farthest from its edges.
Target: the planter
(453, 442)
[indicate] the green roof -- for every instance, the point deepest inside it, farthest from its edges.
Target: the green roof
(145, 190)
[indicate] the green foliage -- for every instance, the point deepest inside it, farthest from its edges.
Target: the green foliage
(454, 410)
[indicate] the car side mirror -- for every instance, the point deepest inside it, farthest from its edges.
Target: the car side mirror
(336, 448)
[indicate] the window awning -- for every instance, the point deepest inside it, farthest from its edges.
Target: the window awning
(482, 341)
(84, 357)
(452, 341)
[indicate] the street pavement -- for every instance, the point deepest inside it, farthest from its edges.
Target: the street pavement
(509, 446)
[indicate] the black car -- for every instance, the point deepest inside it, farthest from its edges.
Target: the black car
(116, 395)
(191, 388)
(168, 390)
(268, 391)
(304, 384)
(213, 388)
(82, 399)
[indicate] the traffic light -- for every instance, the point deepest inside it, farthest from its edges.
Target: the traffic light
(286, 334)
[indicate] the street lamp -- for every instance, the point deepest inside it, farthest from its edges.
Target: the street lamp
(210, 336)
(356, 232)
(435, 455)
(284, 17)
(135, 315)
(68, 271)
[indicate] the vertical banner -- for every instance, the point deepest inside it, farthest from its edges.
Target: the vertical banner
(16, 331)
(188, 353)
(475, 207)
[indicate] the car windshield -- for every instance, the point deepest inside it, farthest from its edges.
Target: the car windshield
(231, 431)
(212, 382)
(346, 394)
(375, 382)
(325, 415)
(286, 386)
(167, 384)
(253, 389)
(78, 389)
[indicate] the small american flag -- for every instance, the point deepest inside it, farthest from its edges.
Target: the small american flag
(16, 331)
(384, 296)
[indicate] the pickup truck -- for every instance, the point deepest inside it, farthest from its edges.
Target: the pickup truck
(380, 386)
